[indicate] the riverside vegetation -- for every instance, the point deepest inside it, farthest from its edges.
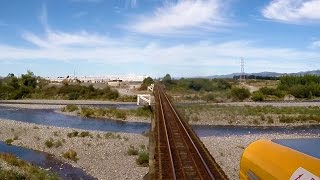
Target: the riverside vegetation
(249, 115)
(113, 113)
(29, 86)
(226, 90)
(19, 169)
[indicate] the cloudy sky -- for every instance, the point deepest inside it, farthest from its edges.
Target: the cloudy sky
(154, 37)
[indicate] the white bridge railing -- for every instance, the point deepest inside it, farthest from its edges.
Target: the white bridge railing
(145, 98)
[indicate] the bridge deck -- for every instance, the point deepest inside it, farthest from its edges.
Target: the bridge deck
(179, 152)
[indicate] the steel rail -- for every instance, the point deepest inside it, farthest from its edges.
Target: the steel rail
(167, 138)
(189, 137)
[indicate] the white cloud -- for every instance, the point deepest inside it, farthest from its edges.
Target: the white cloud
(183, 16)
(315, 44)
(61, 39)
(293, 11)
(74, 47)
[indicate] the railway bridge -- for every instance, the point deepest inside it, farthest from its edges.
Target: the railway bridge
(178, 152)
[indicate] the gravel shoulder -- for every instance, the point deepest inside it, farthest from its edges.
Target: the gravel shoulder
(100, 156)
(227, 151)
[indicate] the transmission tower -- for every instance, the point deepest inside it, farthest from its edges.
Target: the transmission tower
(242, 74)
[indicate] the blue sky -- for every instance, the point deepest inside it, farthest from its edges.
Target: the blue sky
(154, 37)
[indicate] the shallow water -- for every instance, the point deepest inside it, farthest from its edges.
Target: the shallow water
(45, 161)
(49, 117)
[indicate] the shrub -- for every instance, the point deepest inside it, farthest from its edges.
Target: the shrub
(9, 141)
(73, 95)
(143, 159)
(132, 151)
(270, 120)
(257, 96)
(16, 137)
(87, 112)
(209, 97)
(71, 154)
(85, 134)
(71, 108)
(49, 143)
(57, 144)
(240, 93)
(73, 134)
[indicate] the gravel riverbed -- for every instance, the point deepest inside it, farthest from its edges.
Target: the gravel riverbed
(104, 157)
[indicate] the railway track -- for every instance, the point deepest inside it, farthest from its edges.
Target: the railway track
(179, 152)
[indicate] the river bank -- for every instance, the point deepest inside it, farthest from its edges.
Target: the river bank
(101, 154)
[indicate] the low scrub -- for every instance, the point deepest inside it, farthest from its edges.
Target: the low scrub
(257, 96)
(71, 154)
(143, 158)
(112, 136)
(240, 93)
(85, 134)
(132, 151)
(70, 108)
(81, 134)
(9, 141)
(51, 143)
(73, 134)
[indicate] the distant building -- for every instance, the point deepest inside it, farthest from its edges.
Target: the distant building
(113, 79)
(115, 83)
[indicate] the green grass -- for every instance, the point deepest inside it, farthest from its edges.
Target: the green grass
(28, 171)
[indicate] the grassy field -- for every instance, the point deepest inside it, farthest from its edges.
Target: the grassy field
(249, 115)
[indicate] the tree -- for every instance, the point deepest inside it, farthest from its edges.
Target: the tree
(29, 80)
(146, 82)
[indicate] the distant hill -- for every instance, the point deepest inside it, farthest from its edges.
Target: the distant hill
(265, 74)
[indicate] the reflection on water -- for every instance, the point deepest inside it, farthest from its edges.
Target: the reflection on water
(46, 161)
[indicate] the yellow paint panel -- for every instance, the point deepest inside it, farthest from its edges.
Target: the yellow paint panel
(266, 160)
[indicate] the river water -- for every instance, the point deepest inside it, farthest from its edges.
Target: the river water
(66, 171)
(51, 118)
(45, 161)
